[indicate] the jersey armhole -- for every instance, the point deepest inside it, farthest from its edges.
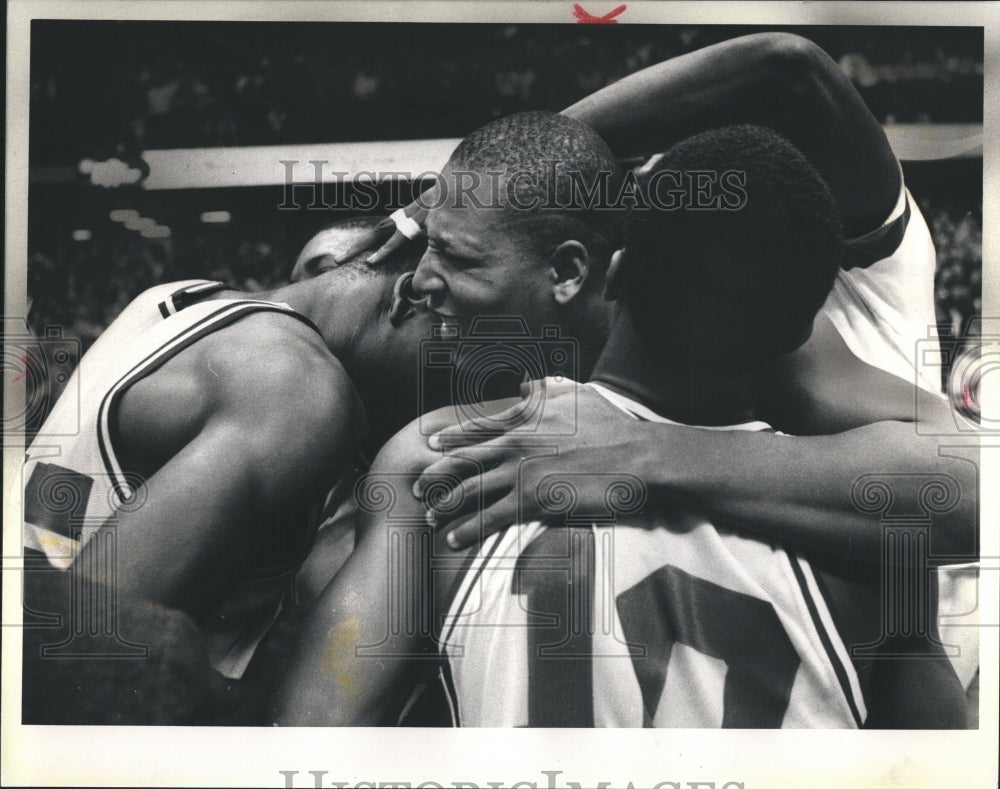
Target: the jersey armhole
(880, 243)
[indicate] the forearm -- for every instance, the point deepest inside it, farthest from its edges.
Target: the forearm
(804, 490)
(776, 80)
(735, 81)
(367, 631)
(343, 672)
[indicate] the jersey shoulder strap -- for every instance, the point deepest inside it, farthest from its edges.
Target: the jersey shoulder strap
(187, 295)
(864, 251)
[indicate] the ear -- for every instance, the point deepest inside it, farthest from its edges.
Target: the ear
(613, 279)
(569, 267)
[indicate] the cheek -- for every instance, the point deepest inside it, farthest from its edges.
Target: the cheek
(472, 288)
(404, 348)
(504, 291)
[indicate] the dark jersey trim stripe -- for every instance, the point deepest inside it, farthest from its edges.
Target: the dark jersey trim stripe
(472, 583)
(208, 324)
(178, 299)
(835, 661)
(870, 248)
(451, 692)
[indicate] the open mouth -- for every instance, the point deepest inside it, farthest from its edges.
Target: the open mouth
(405, 305)
(445, 326)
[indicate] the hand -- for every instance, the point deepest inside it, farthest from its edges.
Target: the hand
(386, 236)
(582, 457)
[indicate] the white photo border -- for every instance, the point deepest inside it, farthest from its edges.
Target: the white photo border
(192, 756)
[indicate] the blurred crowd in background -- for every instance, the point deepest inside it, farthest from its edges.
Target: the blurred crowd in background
(114, 89)
(101, 89)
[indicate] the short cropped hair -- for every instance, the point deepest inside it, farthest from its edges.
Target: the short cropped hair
(559, 166)
(336, 237)
(739, 283)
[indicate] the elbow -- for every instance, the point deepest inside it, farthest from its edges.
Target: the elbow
(801, 66)
(793, 52)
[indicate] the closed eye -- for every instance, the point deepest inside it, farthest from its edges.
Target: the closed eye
(448, 253)
(319, 265)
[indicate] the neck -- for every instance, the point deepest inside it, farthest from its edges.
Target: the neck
(687, 394)
(590, 329)
(319, 303)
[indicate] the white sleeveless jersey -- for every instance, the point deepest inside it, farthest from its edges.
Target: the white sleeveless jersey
(74, 478)
(660, 620)
(884, 308)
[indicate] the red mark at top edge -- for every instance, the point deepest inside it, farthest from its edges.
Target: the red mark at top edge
(586, 18)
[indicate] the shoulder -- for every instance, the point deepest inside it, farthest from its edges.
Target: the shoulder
(266, 383)
(408, 450)
(150, 298)
(276, 352)
(273, 372)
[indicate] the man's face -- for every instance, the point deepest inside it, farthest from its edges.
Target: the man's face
(480, 262)
(386, 330)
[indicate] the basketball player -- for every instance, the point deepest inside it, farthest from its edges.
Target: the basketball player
(326, 248)
(196, 460)
(577, 626)
(335, 535)
(835, 386)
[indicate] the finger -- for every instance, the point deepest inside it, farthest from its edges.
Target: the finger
(487, 428)
(454, 438)
(488, 521)
(453, 469)
(483, 429)
(396, 241)
(471, 496)
(372, 238)
(448, 470)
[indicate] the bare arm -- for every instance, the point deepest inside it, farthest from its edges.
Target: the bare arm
(256, 460)
(778, 80)
(374, 623)
(796, 489)
(351, 665)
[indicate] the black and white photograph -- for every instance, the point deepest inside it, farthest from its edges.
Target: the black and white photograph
(553, 371)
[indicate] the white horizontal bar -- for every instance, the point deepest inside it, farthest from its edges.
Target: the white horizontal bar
(921, 141)
(268, 165)
(271, 165)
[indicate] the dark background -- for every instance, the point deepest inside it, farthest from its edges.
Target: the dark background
(114, 89)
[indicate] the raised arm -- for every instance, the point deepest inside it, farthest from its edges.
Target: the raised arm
(778, 80)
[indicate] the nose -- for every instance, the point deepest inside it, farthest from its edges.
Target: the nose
(427, 279)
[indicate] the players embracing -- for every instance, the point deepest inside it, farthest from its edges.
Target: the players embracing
(556, 270)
